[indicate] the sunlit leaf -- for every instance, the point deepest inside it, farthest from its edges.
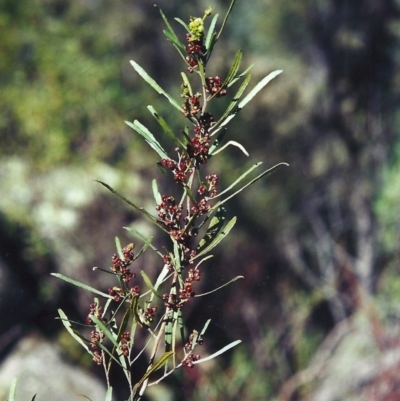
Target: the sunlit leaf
(81, 285)
(109, 394)
(211, 36)
(258, 87)
(244, 175)
(266, 172)
(13, 390)
(119, 248)
(218, 288)
(221, 351)
(233, 143)
(221, 235)
(165, 127)
(156, 193)
(215, 226)
(98, 322)
(155, 366)
(73, 332)
(182, 23)
(139, 209)
(154, 84)
(149, 137)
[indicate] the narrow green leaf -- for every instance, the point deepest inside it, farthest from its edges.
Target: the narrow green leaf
(109, 394)
(72, 331)
(106, 350)
(205, 328)
(165, 127)
(13, 390)
(157, 365)
(232, 108)
(218, 238)
(187, 83)
(182, 23)
(218, 288)
(215, 226)
(226, 18)
(221, 351)
(211, 35)
(244, 175)
(149, 137)
(81, 285)
(233, 143)
(266, 172)
(34, 397)
(165, 20)
(149, 284)
(234, 69)
(242, 74)
(258, 87)
(181, 325)
(154, 84)
(139, 209)
(104, 328)
(119, 248)
(156, 193)
(174, 40)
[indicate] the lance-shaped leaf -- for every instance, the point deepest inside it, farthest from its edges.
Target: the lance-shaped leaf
(233, 143)
(226, 18)
(244, 175)
(154, 84)
(218, 288)
(211, 36)
(149, 284)
(109, 394)
(234, 69)
(221, 351)
(119, 248)
(221, 235)
(187, 83)
(170, 29)
(155, 366)
(266, 172)
(81, 285)
(149, 137)
(232, 108)
(73, 332)
(258, 87)
(109, 334)
(13, 390)
(242, 74)
(156, 193)
(182, 23)
(165, 127)
(215, 226)
(139, 209)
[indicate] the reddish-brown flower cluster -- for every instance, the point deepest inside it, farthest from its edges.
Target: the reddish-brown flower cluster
(214, 85)
(187, 292)
(199, 146)
(95, 339)
(150, 313)
(212, 181)
(192, 105)
(125, 343)
(94, 310)
(195, 50)
(117, 293)
(190, 359)
(120, 266)
(169, 212)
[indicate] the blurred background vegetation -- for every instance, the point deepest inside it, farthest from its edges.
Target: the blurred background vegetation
(318, 242)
